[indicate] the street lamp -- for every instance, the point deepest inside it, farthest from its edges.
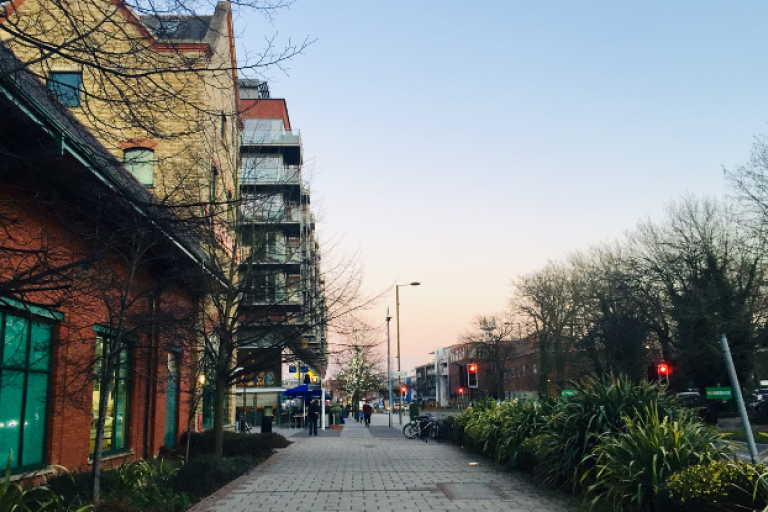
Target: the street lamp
(389, 373)
(397, 315)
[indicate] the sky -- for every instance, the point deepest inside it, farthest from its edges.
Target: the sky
(464, 144)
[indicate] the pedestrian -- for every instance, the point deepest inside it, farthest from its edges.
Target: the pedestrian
(314, 415)
(367, 411)
(413, 410)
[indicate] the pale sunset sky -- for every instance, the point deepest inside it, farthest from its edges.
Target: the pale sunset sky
(461, 144)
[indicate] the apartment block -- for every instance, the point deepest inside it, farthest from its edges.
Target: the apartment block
(280, 255)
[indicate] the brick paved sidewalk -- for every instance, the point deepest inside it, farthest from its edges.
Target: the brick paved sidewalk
(377, 469)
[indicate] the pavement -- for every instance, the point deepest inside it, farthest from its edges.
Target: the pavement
(377, 469)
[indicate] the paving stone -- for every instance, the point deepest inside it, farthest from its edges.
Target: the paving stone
(377, 469)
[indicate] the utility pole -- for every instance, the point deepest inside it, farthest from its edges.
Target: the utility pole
(399, 386)
(389, 373)
(397, 314)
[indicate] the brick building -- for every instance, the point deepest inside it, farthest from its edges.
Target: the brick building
(520, 372)
(159, 92)
(71, 217)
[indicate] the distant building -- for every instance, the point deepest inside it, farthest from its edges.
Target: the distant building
(442, 376)
(426, 384)
(520, 373)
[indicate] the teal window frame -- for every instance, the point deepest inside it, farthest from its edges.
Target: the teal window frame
(121, 383)
(67, 86)
(31, 443)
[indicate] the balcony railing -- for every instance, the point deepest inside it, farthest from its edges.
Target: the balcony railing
(287, 297)
(271, 138)
(273, 175)
(256, 214)
(289, 256)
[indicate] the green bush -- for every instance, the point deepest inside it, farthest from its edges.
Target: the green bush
(577, 423)
(142, 485)
(631, 466)
(713, 487)
(497, 431)
(530, 452)
(204, 475)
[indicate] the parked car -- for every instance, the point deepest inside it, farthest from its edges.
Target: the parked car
(691, 398)
(759, 399)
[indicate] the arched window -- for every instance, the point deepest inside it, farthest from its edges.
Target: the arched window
(141, 163)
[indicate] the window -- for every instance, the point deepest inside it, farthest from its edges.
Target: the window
(116, 425)
(268, 168)
(171, 401)
(24, 375)
(141, 163)
(212, 190)
(67, 87)
(166, 28)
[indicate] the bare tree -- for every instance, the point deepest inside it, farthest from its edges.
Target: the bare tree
(359, 358)
(491, 339)
(549, 299)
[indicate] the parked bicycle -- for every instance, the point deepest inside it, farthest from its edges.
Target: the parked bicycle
(424, 427)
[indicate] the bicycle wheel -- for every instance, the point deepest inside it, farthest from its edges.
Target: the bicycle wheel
(410, 430)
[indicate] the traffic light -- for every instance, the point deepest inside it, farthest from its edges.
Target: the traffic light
(461, 391)
(403, 389)
(472, 375)
(660, 371)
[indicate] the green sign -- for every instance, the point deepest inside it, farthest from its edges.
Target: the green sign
(719, 393)
(567, 392)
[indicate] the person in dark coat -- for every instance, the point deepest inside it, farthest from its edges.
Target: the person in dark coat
(367, 411)
(314, 415)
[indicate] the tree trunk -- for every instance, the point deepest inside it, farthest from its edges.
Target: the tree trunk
(218, 418)
(105, 383)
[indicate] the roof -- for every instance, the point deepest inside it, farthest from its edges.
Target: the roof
(189, 33)
(178, 28)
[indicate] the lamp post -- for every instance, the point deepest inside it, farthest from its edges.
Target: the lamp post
(397, 315)
(390, 398)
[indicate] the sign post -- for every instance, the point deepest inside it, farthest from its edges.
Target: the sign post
(739, 398)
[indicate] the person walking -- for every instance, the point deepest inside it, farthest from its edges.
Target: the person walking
(367, 411)
(314, 415)
(413, 410)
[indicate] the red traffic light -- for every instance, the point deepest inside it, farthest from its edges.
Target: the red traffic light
(664, 369)
(472, 368)
(403, 389)
(461, 391)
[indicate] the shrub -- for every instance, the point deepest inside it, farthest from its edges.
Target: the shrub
(256, 445)
(497, 430)
(205, 475)
(631, 466)
(578, 422)
(530, 452)
(718, 486)
(142, 485)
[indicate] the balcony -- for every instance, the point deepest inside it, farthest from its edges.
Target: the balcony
(288, 298)
(270, 176)
(286, 143)
(258, 215)
(271, 257)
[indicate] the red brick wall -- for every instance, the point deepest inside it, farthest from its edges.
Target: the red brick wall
(266, 109)
(70, 401)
